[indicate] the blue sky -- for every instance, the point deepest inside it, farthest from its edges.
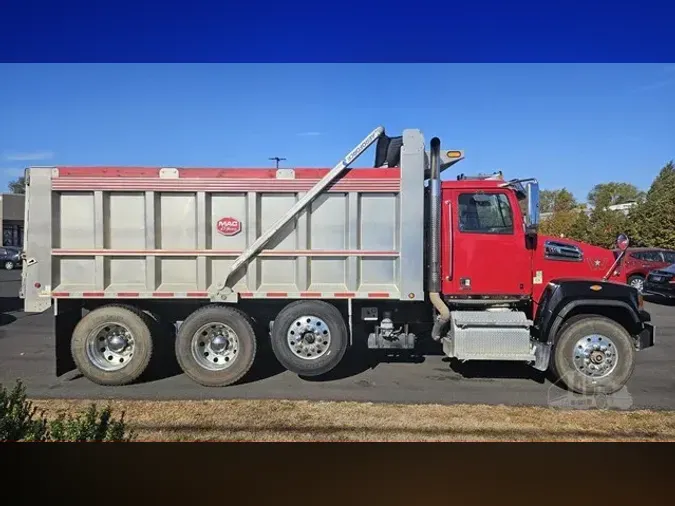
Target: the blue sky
(569, 125)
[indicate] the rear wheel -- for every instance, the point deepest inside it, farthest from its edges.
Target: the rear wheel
(593, 355)
(216, 345)
(636, 282)
(9, 266)
(309, 338)
(112, 345)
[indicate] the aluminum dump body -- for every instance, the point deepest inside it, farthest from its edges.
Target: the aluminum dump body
(109, 232)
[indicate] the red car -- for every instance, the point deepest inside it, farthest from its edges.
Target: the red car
(638, 262)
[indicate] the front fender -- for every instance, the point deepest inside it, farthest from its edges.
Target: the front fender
(562, 297)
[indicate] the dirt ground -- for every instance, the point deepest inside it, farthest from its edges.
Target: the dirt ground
(287, 421)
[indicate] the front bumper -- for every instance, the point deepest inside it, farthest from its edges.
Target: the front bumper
(659, 290)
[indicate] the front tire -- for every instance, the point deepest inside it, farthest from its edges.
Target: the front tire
(9, 266)
(216, 345)
(593, 355)
(309, 338)
(112, 345)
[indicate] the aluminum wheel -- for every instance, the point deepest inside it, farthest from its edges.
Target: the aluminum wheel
(9, 266)
(308, 337)
(110, 347)
(595, 356)
(637, 283)
(215, 346)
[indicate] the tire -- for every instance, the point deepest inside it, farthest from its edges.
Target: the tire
(317, 357)
(9, 266)
(212, 362)
(587, 331)
(636, 281)
(112, 367)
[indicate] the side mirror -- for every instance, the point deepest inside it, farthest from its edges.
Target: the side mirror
(622, 242)
(532, 217)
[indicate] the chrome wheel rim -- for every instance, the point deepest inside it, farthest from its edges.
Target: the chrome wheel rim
(308, 337)
(595, 356)
(9, 266)
(215, 346)
(637, 283)
(110, 347)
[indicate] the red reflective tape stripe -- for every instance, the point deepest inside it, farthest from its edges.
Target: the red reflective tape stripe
(378, 295)
(107, 172)
(311, 294)
(197, 294)
(128, 294)
(245, 294)
(277, 294)
(345, 294)
(93, 294)
(233, 173)
(60, 294)
(162, 294)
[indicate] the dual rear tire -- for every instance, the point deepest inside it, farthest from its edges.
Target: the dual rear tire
(309, 338)
(113, 345)
(215, 346)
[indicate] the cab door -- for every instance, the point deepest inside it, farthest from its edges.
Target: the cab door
(484, 245)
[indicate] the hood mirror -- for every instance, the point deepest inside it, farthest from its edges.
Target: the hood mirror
(622, 242)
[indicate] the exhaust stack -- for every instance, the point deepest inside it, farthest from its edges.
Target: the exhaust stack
(434, 273)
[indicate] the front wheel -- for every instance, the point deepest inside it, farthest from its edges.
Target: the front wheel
(309, 338)
(594, 355)
(9, 266)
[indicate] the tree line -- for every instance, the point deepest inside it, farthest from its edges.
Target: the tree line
(650, 221)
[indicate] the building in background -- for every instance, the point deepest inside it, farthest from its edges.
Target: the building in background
(11, 219)
(588, 209)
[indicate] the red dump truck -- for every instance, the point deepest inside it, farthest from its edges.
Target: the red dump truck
(311, 260)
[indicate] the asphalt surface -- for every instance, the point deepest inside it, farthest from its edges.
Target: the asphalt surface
(27, 353)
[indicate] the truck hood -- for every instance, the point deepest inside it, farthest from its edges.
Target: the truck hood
(568, 258)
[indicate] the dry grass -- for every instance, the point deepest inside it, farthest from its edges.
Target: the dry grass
(274, 420)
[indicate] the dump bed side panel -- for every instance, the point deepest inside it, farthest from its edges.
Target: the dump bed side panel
(127, 233)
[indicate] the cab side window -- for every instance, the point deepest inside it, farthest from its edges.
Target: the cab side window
(485, 213)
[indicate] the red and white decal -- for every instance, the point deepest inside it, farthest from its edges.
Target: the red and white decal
(221, 180)
(59, 294)
(228, 226)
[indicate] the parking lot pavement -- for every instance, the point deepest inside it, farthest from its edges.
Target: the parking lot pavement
(27, 353)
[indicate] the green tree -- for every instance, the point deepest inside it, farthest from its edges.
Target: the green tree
(18, 185)
(613, 193)
(580, 229)
(551, 201)
(605, 226)
(653, 222)
(559, 223)
(562, 208)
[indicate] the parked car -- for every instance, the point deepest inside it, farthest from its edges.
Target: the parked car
(639, 262)
(661, 282)
(10, 257)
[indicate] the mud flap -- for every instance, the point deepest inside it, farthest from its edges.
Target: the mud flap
(68, 314)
